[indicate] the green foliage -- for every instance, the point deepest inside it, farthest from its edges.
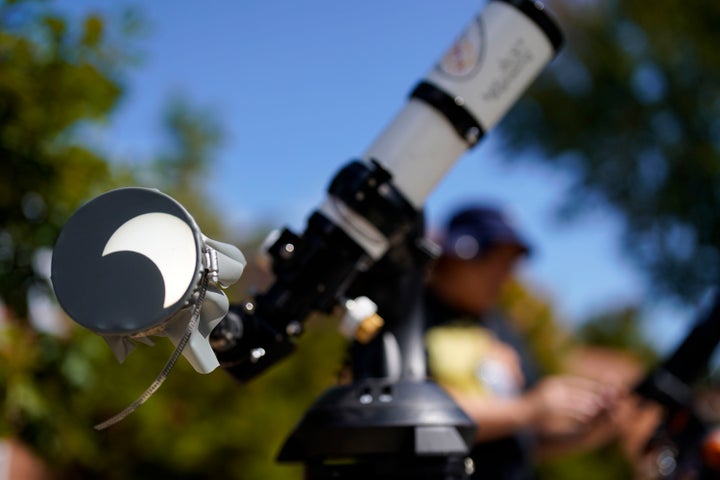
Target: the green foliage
(534, 318)
(631, 108)
(605, 463)
(193, 137)
(52, 82)
(192, 142)
(194, 427)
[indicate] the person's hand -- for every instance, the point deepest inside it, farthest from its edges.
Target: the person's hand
(637, 420)
(564, 406)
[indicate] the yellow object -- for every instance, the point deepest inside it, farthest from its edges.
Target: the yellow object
(454, 354)
(368, 328)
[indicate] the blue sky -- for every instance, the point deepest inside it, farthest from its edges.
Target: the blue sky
(303, 87)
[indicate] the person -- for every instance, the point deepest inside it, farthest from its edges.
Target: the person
(474, 353)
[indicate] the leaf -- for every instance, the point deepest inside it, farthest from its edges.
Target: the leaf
(92, 31)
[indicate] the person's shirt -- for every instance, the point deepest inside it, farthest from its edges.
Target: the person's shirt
(467, 355)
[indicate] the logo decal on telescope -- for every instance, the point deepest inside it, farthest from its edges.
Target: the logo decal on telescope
(465, 56)
(126, 260)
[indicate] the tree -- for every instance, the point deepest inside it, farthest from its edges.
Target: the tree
(55, 77)
(193, 137)
(631, 108)
(194, 427)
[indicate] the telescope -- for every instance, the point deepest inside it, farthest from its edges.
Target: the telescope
(133, 263)
(685, 445)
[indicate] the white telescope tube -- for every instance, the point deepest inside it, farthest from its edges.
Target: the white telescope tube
(464, 95)
(485, 71)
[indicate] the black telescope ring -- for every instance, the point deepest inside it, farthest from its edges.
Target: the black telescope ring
(536, 12)
(464, 123)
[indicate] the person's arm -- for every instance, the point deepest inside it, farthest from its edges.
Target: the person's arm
(495, 417)
(597, 433)
(631, 421)
(557, 407)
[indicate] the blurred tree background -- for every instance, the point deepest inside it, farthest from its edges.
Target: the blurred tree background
(630, 107)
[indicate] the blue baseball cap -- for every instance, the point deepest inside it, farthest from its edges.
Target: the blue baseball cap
(472, 231)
